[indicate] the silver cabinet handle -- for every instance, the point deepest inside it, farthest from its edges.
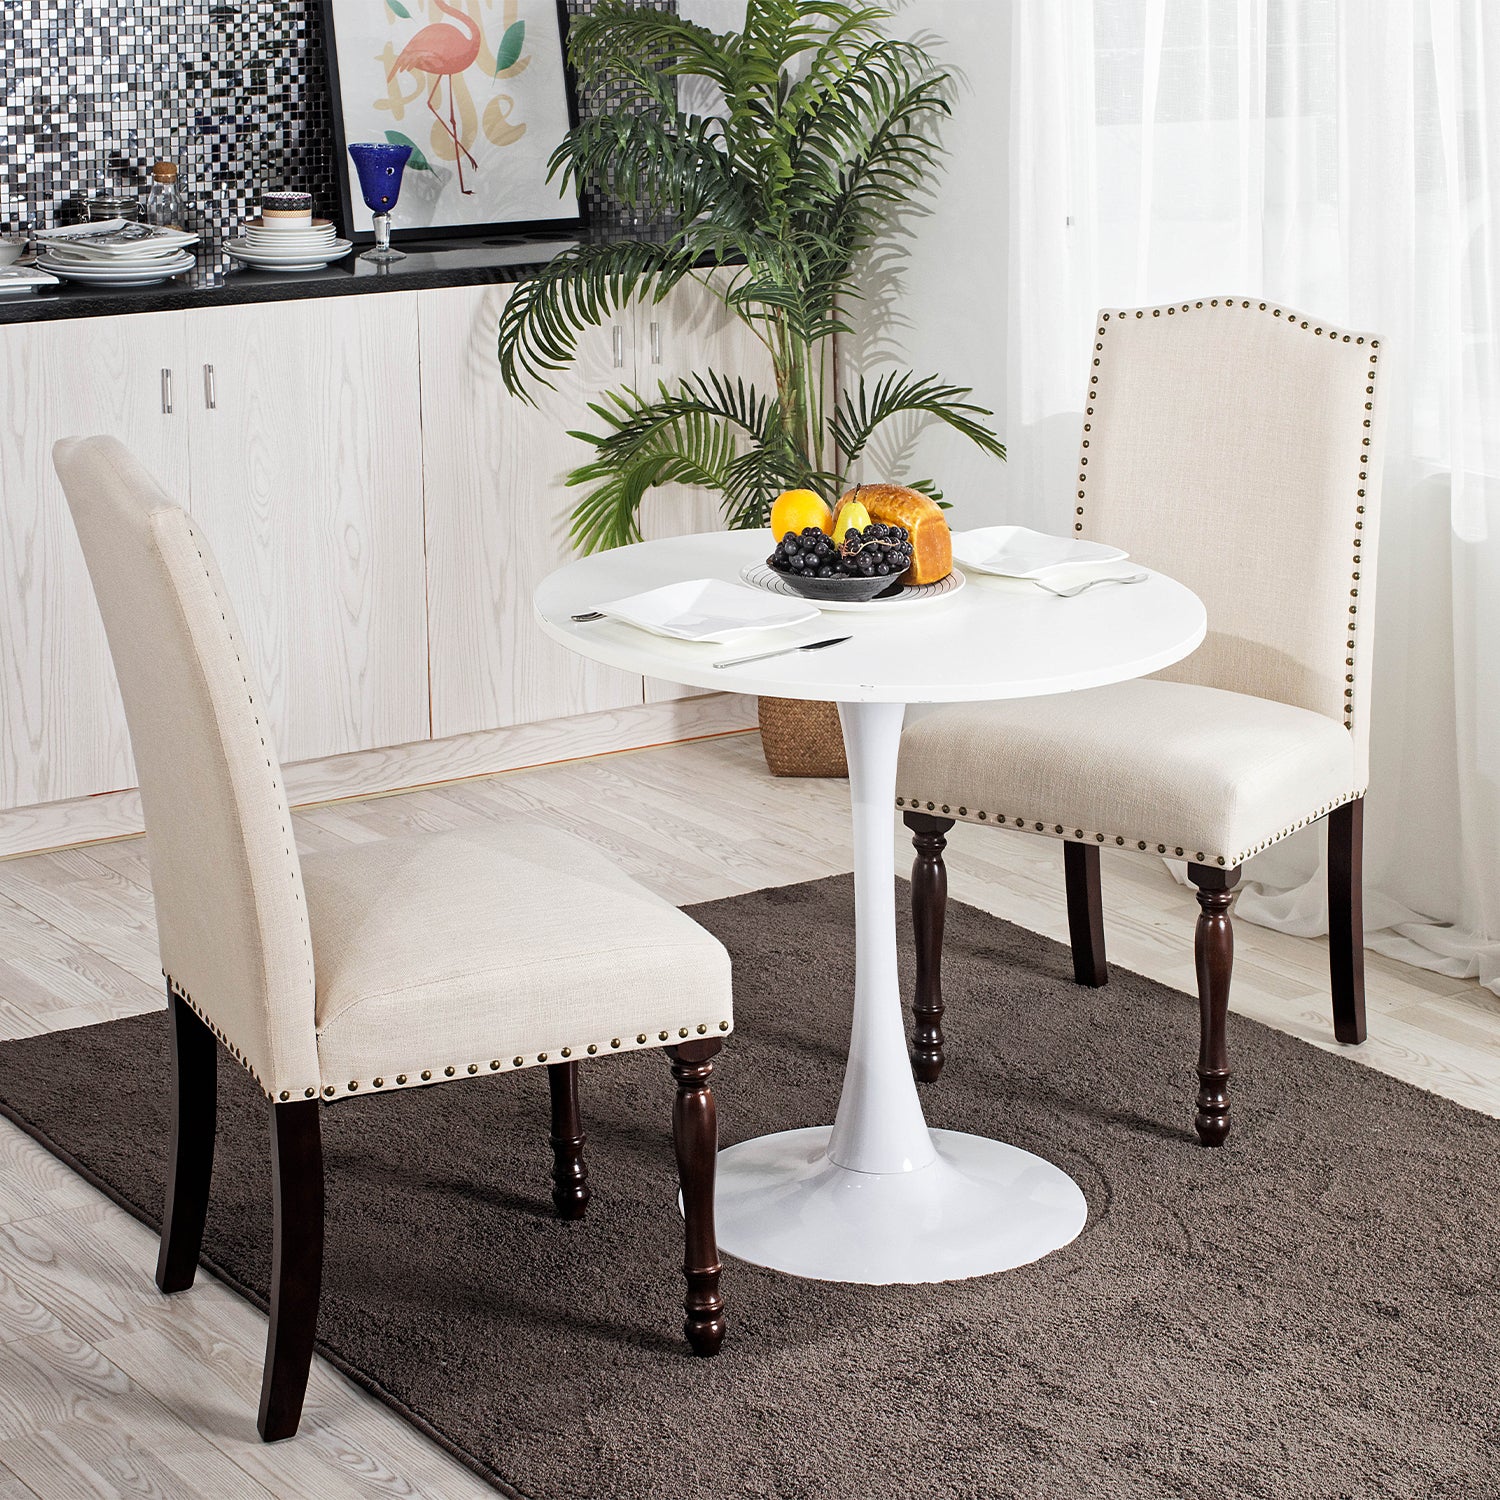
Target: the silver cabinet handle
(656, 343)
(619, 334)
(166, 393)
(210, 392)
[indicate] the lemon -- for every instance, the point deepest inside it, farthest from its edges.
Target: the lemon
(795, 510)
(850, 514)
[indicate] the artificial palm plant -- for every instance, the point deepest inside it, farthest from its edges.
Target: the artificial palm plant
(825, 128)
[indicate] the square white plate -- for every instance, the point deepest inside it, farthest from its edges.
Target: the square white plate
(1019, 552)
(708, 609)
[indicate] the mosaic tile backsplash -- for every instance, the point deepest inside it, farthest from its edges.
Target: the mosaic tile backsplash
(235, 93)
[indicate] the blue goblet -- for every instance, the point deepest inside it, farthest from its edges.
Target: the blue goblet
(380, 166)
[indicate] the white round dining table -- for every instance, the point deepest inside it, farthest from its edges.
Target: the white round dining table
(879, 1197)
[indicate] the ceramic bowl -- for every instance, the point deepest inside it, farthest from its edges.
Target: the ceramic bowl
(12, 248)
(840, 590)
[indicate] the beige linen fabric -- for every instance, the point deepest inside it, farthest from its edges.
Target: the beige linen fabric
(1233, 445)
(1170, 766)
(435, 956)
(1236, 446)
(230, 913)
(463, 950)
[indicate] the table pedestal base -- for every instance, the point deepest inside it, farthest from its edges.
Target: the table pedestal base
(980, 1207)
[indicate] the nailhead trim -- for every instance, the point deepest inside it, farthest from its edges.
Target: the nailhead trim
(225, 1043)
(1293, 320)
(452, 1070)
(1080, 835)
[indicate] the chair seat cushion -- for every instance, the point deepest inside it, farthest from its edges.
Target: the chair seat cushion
(1172, 767)
(441, 955)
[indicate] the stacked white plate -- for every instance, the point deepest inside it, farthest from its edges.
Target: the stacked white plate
(114, 254)
(308, 249)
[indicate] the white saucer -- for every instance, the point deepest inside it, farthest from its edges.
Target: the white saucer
(139, 274)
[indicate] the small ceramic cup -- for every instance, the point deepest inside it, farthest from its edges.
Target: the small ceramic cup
(12, 248)
(286, 210)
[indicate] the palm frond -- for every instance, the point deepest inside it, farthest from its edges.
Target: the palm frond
(863, 408)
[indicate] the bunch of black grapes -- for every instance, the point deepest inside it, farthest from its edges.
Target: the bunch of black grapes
(873, 551)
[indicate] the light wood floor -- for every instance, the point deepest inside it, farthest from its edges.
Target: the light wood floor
(108, 1389)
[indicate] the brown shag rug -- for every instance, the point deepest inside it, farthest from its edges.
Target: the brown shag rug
(1310, 1312)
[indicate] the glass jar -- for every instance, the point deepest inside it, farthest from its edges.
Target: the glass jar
(164, 200)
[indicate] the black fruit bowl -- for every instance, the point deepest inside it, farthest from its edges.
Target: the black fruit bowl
(841, 590)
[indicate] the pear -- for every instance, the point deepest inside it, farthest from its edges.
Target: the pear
(851, 514)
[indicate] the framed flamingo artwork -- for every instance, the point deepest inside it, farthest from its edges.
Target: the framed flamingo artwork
(481, 92)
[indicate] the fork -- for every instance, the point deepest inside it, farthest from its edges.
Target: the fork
(1078, 588)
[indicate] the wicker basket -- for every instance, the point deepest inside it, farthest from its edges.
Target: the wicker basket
(802, 738)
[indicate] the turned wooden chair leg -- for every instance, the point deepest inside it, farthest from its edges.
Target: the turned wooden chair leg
(1085, 913)
(570, 1185)
(1346, 919)
(195, 1099)
(1213, 948)
(695, 1134)
(929, 906)
(296, 1264)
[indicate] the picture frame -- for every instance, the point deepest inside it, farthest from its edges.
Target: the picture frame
(497, 83)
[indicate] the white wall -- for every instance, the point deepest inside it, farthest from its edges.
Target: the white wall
(940, 307)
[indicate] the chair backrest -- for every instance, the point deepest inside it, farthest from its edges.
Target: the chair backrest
(230, 911)
(1236, 446)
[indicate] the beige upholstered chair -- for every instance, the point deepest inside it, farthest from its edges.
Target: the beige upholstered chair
(1234, 445)
(386, 966)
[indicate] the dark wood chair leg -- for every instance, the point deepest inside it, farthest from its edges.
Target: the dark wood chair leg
(1085, 913)
(1213, 949)
(570, 1184)
(1346, 919)
(296, 1264)
(695, 1134)
(195, 1100)
(929, 905)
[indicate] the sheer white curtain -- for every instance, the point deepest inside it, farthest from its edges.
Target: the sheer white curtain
(1341, 157)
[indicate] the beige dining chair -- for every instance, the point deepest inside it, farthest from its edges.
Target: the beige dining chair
(383, 967)
(1234, 445)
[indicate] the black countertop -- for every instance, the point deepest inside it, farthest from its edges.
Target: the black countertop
(218, 282)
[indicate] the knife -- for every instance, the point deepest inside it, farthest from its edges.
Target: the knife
(739, 661)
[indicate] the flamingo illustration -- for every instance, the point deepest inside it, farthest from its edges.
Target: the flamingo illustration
(441, 51)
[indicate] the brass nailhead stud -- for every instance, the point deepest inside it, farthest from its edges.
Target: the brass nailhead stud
(309, 1093)
(930, 807)
(1100, 837)
(1143, 843)
(494, 1064)
(517, 1061)
(1119, 840)
(963, 812)
(982, 817)
(1039, 828)
(449, 1071)
(592, 1049)
(1161, 848)
(329, 1090)
(567, 1052)
(614, 1041)
(683, 1031)
(473, 1067)
(426, 1075)
(1078, 833)
(723, 1025)
(541, 1057)
(641, 1039)
(400, 1078)
(661, 1036)
(701, 1028)
(1057, 828)
(285, 1095)
(900, 801)
(380, 1083)
(945, 807)
(1179, 851)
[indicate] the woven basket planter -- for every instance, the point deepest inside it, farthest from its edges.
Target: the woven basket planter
(802, 738)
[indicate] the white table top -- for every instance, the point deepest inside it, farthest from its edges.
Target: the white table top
(995, 638)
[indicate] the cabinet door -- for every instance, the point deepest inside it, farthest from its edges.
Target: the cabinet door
(62, 727)
(691, 331)
(307, 476)
(497, 520)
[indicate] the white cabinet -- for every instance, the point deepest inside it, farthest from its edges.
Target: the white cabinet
(62, 726)
(306, 434)
(497, 521)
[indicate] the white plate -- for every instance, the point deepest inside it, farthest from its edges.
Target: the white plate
(290, 259)
(113, 240)
(707, 609)
(762, 576)
(87, 255)
(137, 275)
(1019, 552)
